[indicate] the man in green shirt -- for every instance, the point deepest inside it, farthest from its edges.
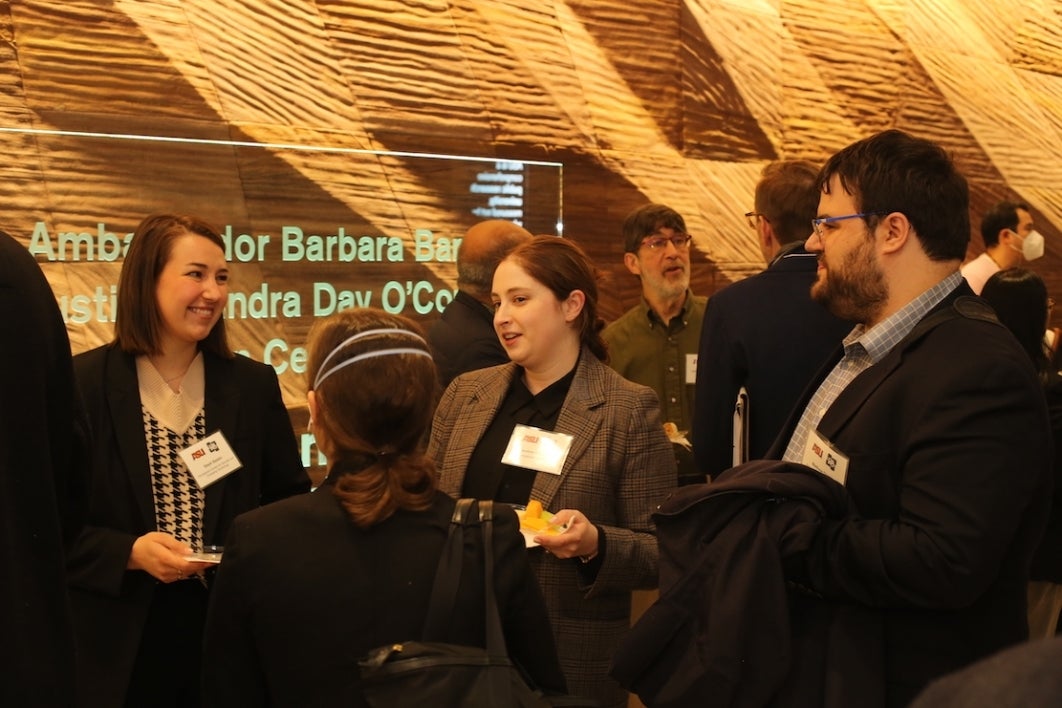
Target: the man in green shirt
(655, 342)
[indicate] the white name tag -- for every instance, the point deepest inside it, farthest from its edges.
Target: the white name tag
(210, 459)
(691, 368)
(539, 450)
(822, 456)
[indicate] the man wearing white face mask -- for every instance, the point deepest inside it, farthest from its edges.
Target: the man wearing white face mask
(1010, 239)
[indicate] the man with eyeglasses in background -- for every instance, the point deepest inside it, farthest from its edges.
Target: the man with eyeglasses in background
(935, 425)
(655, 342)
(763, 334)
(1010, 239)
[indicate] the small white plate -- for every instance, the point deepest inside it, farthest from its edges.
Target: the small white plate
(205, 557)
(528, 534)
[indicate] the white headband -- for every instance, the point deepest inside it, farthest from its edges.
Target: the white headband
(323, 373)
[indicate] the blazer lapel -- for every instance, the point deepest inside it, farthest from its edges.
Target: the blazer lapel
(221, 402)
(863, 386)
(581, 417)
(123, 400)
(852, 398)
(473, 420)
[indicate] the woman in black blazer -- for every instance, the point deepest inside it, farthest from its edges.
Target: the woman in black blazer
(167, 382)
(310, 584)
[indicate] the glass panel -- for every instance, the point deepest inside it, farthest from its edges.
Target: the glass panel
(310, 229)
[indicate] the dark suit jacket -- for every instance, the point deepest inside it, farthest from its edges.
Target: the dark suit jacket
(720, 633)
(764, 333)
(463, 338)
(110, 603)
(619, 468)
(303, 593)
(1047, 561)
(43, 442)
(949, 448)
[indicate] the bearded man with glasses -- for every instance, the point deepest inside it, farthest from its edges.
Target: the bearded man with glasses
(655, 342)
(931, 419)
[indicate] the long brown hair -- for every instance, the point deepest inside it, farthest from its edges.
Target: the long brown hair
(375, 388)
(137, 321)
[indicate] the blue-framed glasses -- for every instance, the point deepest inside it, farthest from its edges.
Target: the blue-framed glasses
(817, 224)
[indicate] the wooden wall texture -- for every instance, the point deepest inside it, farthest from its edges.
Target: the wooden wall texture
(680, 102)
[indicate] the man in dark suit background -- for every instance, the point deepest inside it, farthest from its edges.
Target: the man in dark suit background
(764, 333)
(932, 420)
(42, 486)
(463, 338)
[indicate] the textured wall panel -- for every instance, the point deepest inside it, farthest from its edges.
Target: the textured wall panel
(664, 100)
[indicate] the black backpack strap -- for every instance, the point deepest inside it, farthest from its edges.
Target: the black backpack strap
(495, 635)
(448, 574)
(501, 690)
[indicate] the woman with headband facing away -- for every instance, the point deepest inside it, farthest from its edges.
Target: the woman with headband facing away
(558, 426)
(165, 398)
(310, 584)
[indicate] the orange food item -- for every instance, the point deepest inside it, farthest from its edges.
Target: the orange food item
(534, 523)
(536, 519)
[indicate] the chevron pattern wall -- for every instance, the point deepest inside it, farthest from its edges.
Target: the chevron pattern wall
(680, 102)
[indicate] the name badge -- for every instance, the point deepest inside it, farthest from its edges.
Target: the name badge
(539, 450)
(210, 459)
(691, 368)
(822, 456)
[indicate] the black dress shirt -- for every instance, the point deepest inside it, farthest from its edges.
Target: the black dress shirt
(488, 477)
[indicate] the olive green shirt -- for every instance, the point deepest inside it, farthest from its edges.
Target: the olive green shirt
(662, 356)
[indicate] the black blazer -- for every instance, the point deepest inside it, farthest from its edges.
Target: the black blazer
(42, 451)
(1047, 561)
(110, 603)
(302, 594)
(764, 333)
(463, 339)
(949, 451)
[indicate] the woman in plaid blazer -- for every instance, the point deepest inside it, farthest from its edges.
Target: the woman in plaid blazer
(618, 467)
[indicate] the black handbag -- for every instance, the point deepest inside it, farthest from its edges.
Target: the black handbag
(419, 673)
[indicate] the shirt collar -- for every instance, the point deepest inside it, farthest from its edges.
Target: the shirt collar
(654, 319)
(550, 399)
(786, 250)
(882, 337)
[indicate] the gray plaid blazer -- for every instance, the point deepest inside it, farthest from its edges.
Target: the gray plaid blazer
(620, 468)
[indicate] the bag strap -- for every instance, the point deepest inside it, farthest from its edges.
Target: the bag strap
(444, 595)
(500, 689)
(493, 627)
(447, 575)
(448, 578)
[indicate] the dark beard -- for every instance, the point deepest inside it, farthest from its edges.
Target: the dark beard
(860, 292)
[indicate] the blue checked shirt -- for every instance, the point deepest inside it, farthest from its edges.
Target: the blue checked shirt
(862, 349)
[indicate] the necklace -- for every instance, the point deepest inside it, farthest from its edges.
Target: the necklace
(172, 378)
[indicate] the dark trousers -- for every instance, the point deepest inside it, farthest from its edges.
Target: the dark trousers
(166, 673)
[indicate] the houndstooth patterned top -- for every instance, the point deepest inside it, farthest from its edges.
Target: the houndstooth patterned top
(178, 499)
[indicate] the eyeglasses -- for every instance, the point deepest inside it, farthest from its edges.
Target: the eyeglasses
(817, 224)
(658, 243)
(753, 216)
